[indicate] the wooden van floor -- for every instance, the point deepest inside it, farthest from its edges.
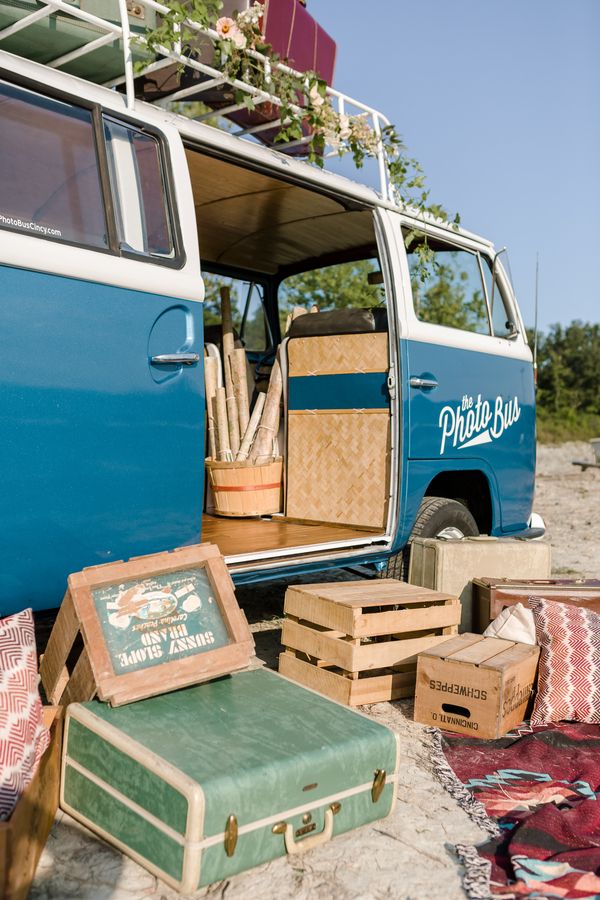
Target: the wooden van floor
(236, 536)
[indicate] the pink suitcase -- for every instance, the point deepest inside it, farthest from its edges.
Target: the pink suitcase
(294, 35)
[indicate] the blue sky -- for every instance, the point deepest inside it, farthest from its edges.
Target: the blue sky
(500, 102)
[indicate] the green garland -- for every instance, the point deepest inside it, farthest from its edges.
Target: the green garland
(346, 134)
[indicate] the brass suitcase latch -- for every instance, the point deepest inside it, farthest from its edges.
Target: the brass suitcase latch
(231, 835)
(378, 784)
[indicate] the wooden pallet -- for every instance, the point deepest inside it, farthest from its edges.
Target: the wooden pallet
(358, 641)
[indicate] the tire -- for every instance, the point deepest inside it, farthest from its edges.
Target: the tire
(437, 517)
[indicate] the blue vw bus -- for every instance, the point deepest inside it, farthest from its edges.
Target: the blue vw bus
(119, 223)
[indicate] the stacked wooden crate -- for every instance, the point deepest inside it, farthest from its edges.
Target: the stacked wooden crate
(358, 641)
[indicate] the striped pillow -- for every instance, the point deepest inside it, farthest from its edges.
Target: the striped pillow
(23, 737)
(569, 673)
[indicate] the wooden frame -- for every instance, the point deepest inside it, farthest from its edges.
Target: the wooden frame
(24, 834)
(101, 668)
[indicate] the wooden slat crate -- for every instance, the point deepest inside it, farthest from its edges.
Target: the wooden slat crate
(475, 685)
(358, 641)
(23, 836)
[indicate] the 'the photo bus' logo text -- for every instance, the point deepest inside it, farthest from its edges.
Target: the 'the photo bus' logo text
(473, 422)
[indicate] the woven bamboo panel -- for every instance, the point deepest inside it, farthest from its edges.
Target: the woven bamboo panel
(338, 354)
(338, 466)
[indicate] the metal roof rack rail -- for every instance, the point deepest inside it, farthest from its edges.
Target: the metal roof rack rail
(113, 31)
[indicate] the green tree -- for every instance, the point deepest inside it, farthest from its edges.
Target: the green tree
(443, 298)
(569, 368)
(254, 333)
(333, 287)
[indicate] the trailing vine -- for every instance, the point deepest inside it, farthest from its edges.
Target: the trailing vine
(306, 110)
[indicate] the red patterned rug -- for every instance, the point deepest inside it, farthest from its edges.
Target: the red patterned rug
(537, 792)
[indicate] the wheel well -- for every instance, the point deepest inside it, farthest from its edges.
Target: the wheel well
(469, 487)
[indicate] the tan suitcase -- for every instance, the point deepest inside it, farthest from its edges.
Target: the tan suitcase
(451, 566)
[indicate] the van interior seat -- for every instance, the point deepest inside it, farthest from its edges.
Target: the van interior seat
(349, 320)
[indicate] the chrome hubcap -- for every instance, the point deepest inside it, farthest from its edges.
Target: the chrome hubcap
(450, 533)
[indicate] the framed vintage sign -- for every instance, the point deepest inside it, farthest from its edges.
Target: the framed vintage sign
(150, 625)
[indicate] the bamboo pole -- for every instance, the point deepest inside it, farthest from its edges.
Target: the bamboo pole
(211, 367)
(240, 387)
(269, 423)
(226, 323)
(233, 423)
(233, 420)
(251, 429)
(296, 311)
(223, 446)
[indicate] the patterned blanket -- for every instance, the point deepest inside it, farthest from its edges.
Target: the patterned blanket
(537, 792)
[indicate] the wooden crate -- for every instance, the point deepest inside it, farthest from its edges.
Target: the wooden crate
(475, 685)
(357, 641)
(23, 836)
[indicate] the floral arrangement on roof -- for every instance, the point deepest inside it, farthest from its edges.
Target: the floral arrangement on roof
(306, 109)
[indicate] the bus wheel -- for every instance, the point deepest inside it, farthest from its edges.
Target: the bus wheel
(438, 517)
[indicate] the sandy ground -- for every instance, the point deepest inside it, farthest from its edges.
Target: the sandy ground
(407, 856)
(569, 501)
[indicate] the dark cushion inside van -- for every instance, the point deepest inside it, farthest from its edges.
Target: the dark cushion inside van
(213, 334)
(339, 321)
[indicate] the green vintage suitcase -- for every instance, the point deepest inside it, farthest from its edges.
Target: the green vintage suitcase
(58, 34)
(205, 782)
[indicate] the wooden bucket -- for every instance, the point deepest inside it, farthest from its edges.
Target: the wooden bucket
(245, 489)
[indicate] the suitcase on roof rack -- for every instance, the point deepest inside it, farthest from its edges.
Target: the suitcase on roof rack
(59, 33)
(294, 35)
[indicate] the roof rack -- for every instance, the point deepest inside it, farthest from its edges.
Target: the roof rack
(111, 31)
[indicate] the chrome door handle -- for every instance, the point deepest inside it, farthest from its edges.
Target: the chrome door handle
(423, 383)
(175, 359)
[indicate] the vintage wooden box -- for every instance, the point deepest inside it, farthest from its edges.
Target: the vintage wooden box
(23, 836)
(475, 685)
(128, 630)
(452, 565)
(357, 641)
(206, 782)
(492, 595)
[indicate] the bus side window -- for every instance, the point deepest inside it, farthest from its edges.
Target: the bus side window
(449, 290)
(49, 175)
(501, 318)
(138, 187)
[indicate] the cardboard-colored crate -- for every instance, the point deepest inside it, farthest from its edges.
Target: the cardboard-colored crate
(357, 641)
(475, 685)
(23, 836)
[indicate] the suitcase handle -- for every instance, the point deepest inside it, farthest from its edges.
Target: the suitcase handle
(294, 847)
